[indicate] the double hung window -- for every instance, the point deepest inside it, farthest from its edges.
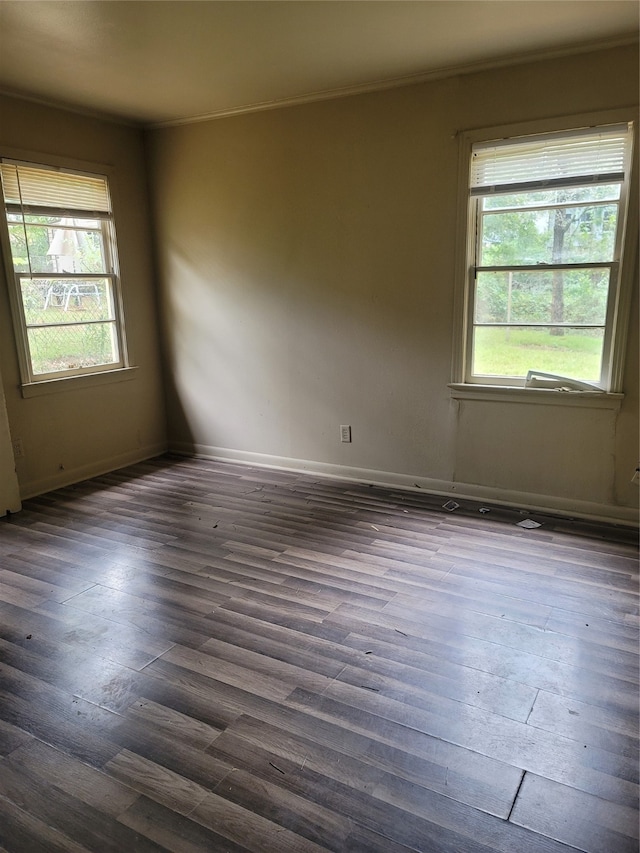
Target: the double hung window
(546, 238)
(61, 245)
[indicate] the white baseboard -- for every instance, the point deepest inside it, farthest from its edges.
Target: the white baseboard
(30, 489)
(550, 504)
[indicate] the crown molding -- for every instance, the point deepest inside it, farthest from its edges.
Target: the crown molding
(400, 82)
(84, 112)
(330, 94)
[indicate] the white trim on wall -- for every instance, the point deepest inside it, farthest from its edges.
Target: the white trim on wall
(332, 94)
(550, 504)
(405, 80)
(67, 477)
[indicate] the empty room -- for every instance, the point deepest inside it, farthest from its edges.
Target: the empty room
(319, 459)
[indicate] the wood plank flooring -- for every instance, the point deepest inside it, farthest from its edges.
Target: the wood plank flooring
(198, 656)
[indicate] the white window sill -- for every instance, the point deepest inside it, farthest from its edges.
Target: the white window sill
(74, 383)
(540, 396)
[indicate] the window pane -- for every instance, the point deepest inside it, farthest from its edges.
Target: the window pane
(545, 296)
(65, 301)
(62, 243)
(31, 243)
(561, 235)
(576, 353)
(594, 192)
(71, 347)
(51, 244)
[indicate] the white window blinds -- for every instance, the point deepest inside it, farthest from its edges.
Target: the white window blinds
(30, 189)
(594, 155)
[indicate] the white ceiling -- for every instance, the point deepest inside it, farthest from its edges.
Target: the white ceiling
(157, 62)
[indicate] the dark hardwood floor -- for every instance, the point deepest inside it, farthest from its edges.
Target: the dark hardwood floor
(207, 657)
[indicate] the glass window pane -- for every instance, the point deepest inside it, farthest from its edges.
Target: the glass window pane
(52, 300)
(593, 192)
(18, 243)
(59, 245)
(62, 244)
(60, 348)
(545, 296)
(514, 351)
(69, 222)
(561, 235)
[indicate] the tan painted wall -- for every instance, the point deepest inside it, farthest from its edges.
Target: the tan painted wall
(307, 257)
(73, 434)
(9, 488)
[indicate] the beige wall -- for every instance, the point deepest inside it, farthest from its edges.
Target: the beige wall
(9, 488)
(72, 434)
(307, 262)
(307, 258)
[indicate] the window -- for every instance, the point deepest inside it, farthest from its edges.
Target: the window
(545, 241)
(63, 264)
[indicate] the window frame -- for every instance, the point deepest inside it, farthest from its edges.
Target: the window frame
(616, 326)
(36, 383)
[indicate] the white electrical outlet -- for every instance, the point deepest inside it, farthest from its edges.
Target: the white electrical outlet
(345, 433)
(18, 449)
